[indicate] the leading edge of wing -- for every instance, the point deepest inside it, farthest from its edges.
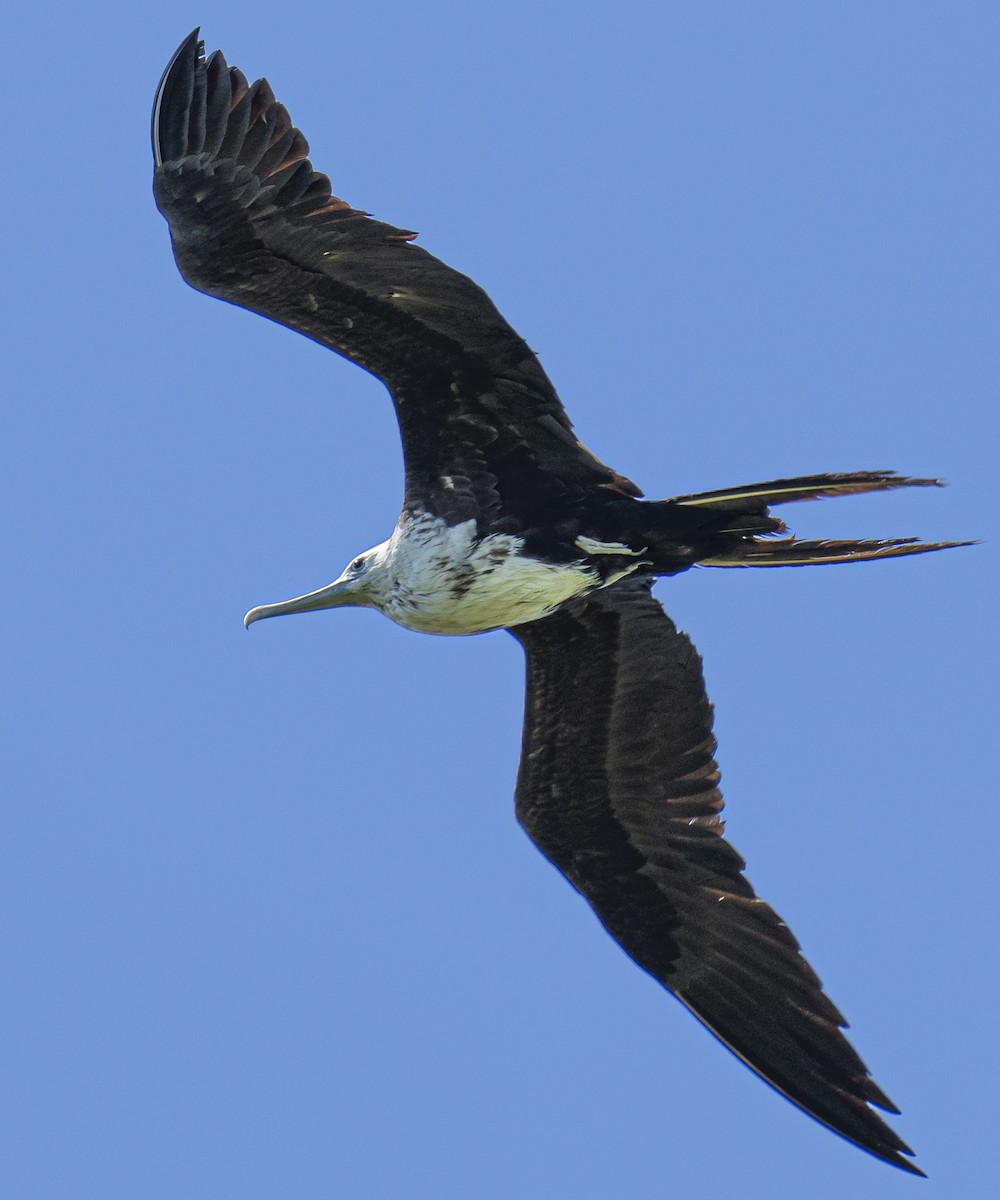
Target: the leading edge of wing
(618, 789)
(253, 223)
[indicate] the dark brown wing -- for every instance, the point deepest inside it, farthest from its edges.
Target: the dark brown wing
(252, 223)
(618, 788)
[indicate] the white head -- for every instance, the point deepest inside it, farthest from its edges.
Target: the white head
(364, 583)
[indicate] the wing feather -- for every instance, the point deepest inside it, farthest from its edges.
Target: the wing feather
(618, 787)
(252, 223)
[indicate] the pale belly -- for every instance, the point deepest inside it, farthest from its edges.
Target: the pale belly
(448, 584)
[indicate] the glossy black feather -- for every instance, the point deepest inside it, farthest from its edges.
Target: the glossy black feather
(618, 788)
(254, 224)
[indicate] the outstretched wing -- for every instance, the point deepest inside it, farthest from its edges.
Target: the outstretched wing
(252, 223)
(618, 788)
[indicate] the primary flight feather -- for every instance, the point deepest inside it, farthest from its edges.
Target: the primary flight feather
(508, 522)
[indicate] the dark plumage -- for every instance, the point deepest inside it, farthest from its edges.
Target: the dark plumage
(509, 522)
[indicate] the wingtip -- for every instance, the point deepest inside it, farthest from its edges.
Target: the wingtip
(904, 1164)
(186, 55)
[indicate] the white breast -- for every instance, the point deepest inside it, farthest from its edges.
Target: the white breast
(441, 580)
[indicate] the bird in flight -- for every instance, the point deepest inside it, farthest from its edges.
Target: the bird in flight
(509, 522)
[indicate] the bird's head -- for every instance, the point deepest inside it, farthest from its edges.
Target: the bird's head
(362, 584)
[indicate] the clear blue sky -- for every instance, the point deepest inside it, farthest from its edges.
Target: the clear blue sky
(271, 930)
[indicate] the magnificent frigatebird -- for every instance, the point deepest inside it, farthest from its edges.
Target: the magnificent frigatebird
(508, 522)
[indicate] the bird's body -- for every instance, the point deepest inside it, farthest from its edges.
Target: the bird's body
(445, 579)
(508, 522)
(433, 577)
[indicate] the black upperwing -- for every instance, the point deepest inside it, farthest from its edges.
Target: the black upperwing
(251, 222)
(618, 788)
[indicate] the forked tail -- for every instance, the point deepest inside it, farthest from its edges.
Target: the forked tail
(757, 547)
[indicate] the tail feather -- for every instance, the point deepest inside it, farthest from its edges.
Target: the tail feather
(789, 552)
(734, 527)
(755, 497)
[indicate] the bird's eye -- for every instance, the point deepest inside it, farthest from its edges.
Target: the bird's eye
(357, 564)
